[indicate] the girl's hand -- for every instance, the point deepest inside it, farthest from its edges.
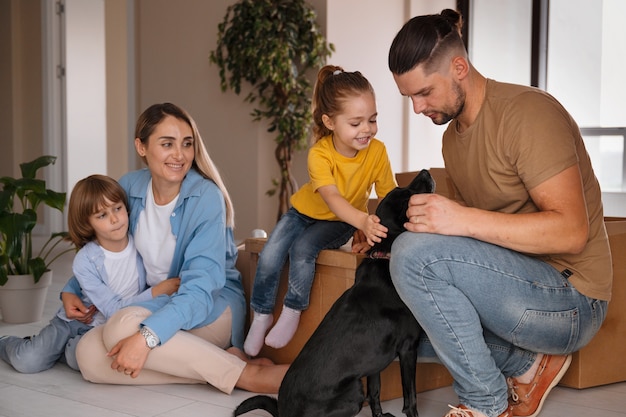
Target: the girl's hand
(129, 355)
(373, 230)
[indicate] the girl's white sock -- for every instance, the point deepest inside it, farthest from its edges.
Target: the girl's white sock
(254, 341)
(284, 329)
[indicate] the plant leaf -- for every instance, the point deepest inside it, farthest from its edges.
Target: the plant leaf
(29, 169)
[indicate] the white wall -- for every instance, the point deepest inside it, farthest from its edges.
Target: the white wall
(423, 143)
(495, 26)
(86, 90)
(362, 44)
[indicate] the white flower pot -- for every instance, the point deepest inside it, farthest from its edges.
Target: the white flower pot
(21, 300)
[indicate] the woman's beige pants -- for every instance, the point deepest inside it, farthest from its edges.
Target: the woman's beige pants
(190, 357)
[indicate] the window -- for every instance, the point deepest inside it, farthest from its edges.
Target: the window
(586, 54)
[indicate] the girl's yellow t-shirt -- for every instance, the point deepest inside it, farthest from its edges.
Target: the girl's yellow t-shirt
(354, 177)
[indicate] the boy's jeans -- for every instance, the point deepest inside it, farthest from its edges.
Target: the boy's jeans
(56, 341)
(486, 310)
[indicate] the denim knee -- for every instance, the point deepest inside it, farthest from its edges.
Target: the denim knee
(70, 353)
(31, 362)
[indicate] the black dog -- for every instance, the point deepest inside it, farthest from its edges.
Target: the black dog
(363, 332)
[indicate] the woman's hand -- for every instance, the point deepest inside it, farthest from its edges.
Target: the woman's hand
(76, 310)
(129, 355)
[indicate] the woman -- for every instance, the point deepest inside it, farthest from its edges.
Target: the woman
(182, 222)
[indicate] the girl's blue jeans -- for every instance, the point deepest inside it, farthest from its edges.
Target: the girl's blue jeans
(301, 238)
(487, 310)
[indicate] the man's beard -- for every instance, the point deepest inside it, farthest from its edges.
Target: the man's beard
(452, 113)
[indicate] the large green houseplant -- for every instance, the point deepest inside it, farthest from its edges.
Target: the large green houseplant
(271, 44)
(19, 201)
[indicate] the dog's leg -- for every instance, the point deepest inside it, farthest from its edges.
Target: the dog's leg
(373, 396)
(408, 365)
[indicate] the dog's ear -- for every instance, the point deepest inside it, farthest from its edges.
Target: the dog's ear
(422, 183)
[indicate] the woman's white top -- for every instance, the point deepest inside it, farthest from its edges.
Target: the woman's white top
(154, 239)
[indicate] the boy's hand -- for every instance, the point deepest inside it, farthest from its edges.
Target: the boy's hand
(76, 310)
(167, 287)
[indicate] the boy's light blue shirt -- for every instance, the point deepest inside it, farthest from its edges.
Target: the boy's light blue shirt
(89, 260)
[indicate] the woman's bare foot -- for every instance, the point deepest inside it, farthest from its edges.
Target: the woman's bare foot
(254, 361)
(262, 379)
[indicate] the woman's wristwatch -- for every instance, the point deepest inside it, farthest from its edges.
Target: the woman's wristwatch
(152, 340)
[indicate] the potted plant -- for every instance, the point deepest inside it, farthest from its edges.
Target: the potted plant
(19, 269)
(271, 44)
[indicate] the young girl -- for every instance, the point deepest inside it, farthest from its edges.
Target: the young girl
(107, 266)
(343, 164)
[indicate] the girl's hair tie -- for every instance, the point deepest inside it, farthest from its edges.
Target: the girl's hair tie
(337, 72)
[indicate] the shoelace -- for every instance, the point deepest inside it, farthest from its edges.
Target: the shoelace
(458, 412)
(511, 382)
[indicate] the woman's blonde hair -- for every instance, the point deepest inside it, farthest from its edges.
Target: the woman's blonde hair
(89, 196)
(153, 115)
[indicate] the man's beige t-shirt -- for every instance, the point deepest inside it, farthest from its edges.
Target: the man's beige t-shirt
(521, 137)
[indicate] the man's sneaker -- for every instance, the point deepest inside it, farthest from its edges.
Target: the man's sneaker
(527, 399)
(463, 411)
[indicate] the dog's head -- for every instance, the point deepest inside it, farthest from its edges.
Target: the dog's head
(392, 209)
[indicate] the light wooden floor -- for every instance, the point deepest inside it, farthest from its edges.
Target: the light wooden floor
(62, 392)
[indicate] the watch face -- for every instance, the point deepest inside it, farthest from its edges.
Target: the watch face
(151, 341)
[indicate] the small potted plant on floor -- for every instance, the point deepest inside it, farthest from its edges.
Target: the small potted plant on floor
(22, 273)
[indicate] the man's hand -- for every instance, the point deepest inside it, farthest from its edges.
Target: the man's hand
(433, 213)
(76, 310)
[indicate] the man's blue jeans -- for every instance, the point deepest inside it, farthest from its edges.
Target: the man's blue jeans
(486, 310)
(302, 238)
(56, 342)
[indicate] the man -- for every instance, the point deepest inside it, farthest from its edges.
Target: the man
(516, 276)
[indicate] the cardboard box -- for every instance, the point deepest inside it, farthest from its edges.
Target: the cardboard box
(602, 360)
(334, 274)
